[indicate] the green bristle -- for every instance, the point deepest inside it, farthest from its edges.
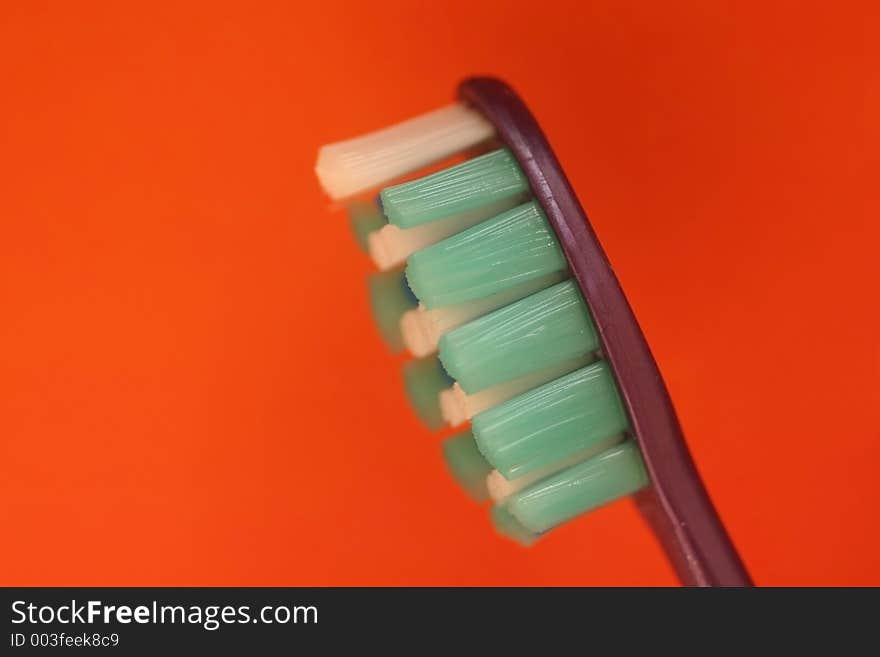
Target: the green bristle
(509, 527)
(389, 299)
(364, 217)
(546, 328)
(424, 379)
(614, 473)
(484, 180)
(507, 250)
(551, 423)
(467, 465)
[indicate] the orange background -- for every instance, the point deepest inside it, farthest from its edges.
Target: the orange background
(191, 389)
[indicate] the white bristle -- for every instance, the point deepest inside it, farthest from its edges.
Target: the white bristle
(355, 165)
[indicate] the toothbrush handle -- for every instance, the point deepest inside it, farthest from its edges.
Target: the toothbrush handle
(676, 505)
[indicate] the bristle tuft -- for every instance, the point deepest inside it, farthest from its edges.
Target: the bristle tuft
(355, 165)
(490, 179)
(542, 330)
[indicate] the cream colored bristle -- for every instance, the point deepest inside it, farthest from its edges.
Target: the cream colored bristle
(500, 488)
(425, 340)
(453, 405)
(415, 339)
(355, 165)
(391, 245)
(480, 401)
(432, 324)
(461, 406)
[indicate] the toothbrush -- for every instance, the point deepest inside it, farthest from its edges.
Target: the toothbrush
(494, 279)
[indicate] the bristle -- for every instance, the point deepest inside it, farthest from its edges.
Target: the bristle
(542, 330)
(467, 465)
(415, 338)
(390, 298)
(364, 217)
(349, 167)
(427, 326)
(457, 406)
(452, 406)
(489, 179)
(510, 249)
(486, 285)
(552, 422)
(509, 527)
(391, 245)
(501, 488)
(423, 380)
(614, 473)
